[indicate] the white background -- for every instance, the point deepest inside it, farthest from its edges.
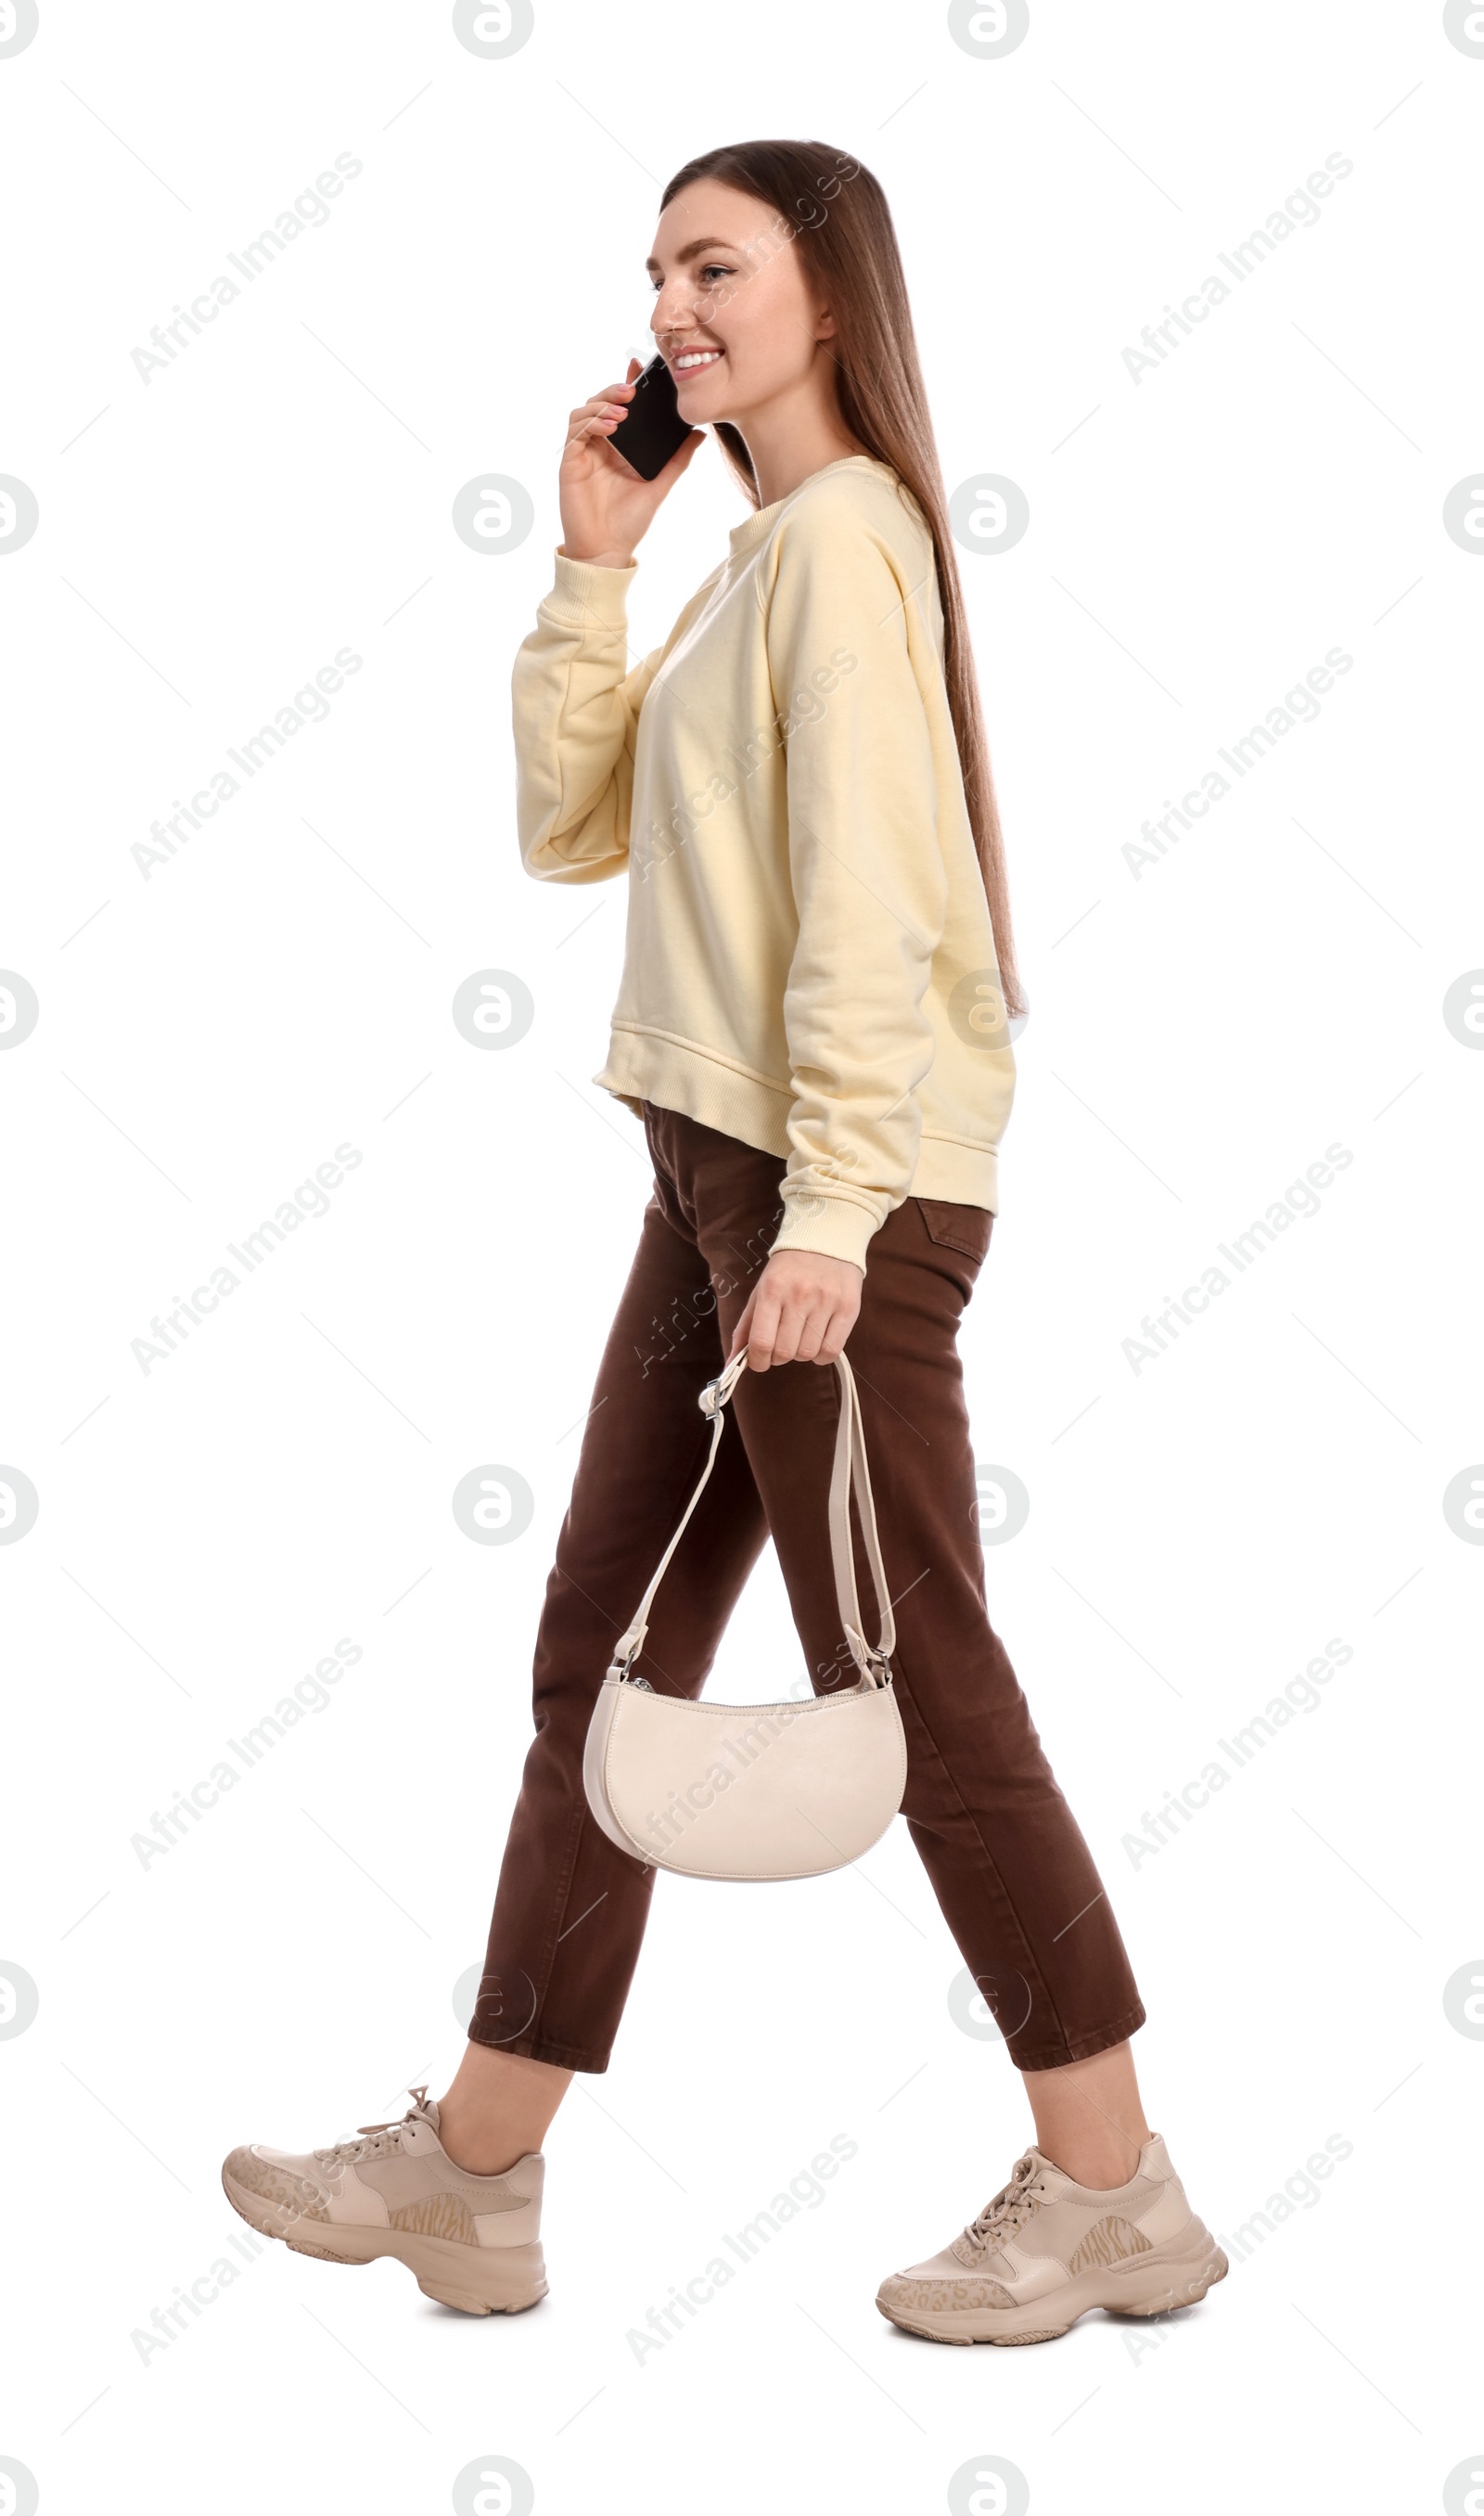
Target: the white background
(1198, 1035)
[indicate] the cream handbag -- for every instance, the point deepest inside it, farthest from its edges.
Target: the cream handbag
(756, 1790)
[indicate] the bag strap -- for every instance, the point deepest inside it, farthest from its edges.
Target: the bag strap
(849, 1471)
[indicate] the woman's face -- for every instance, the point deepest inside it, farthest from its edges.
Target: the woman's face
(735, 315)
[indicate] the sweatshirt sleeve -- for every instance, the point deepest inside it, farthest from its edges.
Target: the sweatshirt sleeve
(869, 887)
(575, 705)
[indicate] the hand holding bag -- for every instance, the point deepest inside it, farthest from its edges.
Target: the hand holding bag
(756, 1790)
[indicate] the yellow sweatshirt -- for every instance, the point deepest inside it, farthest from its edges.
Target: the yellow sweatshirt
(809, 962)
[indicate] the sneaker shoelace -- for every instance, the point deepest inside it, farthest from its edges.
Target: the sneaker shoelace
(372, 2138)
(1010, 2208)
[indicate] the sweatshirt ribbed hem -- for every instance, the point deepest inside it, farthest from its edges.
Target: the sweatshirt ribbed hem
(589, 598)
(827, 1227)
(645, 1065)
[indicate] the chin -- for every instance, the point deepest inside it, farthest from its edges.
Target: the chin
(696, 408)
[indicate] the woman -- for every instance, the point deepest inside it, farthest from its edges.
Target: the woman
(811, 1026)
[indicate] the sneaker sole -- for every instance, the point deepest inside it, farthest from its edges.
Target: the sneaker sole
(1152, 2283)
(477, 2279)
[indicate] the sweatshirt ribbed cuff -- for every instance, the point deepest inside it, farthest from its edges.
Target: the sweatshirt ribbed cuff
(590, 598)
(831, 1227)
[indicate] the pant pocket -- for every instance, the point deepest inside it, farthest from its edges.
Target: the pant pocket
(965, 1228)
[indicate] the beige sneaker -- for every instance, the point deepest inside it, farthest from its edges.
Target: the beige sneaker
(1047, 2250)
(471, 2241)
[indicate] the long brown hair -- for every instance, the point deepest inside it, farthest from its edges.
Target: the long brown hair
(836, 211)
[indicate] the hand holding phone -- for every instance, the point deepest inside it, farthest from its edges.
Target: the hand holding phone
(625, 450)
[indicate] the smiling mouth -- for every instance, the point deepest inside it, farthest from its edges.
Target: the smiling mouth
(694, 363)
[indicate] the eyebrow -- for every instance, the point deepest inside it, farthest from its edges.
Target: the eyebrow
(687, 253)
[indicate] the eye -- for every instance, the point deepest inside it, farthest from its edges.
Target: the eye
(707, 272)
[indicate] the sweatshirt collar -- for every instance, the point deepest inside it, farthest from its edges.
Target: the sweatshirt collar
(746, 537)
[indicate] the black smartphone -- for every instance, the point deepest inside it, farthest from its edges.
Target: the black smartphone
(652, 429)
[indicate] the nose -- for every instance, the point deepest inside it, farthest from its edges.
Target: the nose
(664, 321)
(675, 308)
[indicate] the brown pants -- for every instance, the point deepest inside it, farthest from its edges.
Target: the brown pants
(1014, 1877)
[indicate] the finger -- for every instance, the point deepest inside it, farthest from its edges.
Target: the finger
(832, 1344)
(598, 429)
(847, 1313)
(741, 1333)
(613, 398)
(811, 1331)
(791, 1320)
(762, 1342)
